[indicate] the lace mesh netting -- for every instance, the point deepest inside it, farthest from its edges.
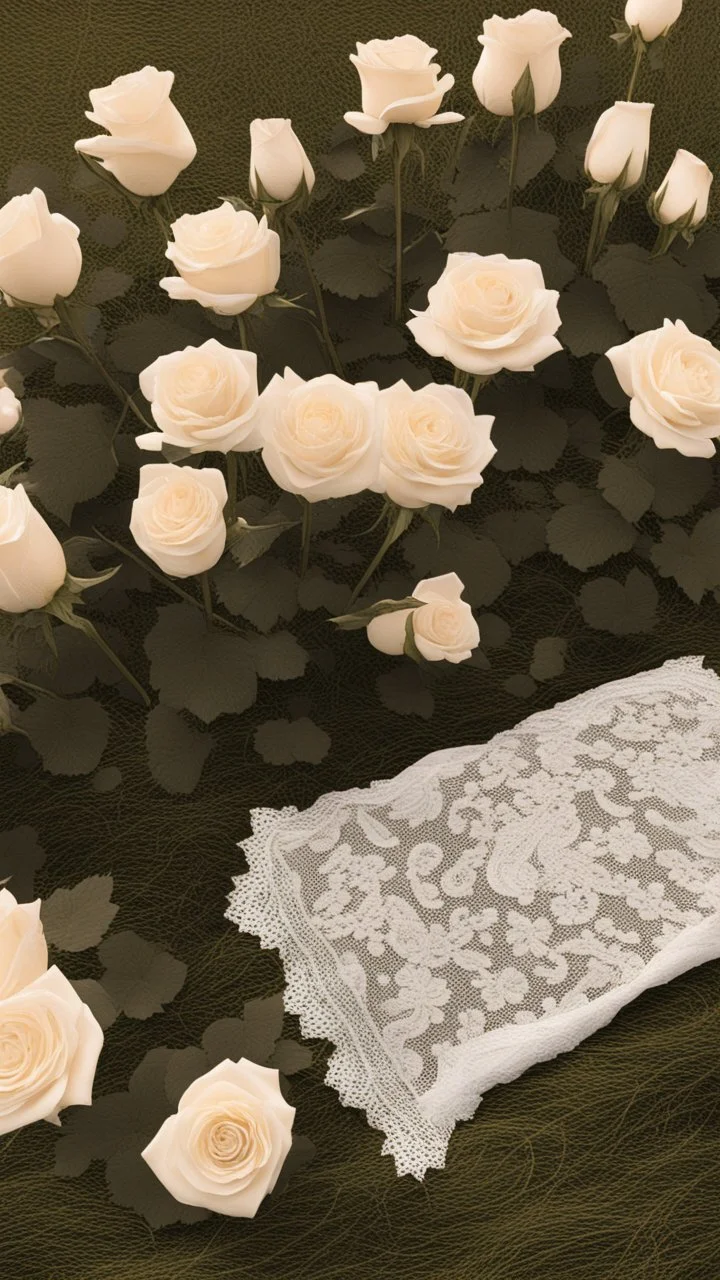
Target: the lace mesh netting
(492, 905)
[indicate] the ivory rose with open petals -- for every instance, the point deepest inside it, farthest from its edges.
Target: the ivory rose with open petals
(489, 313)
(510, 47)
(202, 398)
(400, 85)
(177, 517)
(148, 143)
(226, 1145)
(23, 949)
(673, 378)
(226, 259)
(319, 438)
(443, 627)
(433, 447)
(40, 258)
(49, 1047)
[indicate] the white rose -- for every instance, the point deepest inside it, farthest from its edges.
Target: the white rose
(32, 563)
(653, 17)
(10, 411)
(40, 258)
(685, 190)
(400, 85)
(510, 46)
(673, 379)
(433, 448)
(226, 1145)
(320, 437)
(278, 159)
(489, 313)
(226, 258)
(23, 949)
(202, 398)
(621, 137)
(443, 626)
(177, 518)
(149, 142)
(49, 1047)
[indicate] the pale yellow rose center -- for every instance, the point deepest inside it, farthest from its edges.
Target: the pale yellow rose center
(440, 623)
(321, 432)
(231, 1143)
(424, 433)
(181, 509)
(33, 1053)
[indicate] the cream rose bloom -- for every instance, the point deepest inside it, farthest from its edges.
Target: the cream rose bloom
(621, 137)
(226, 259)
(32, 562)
(673, 379)
(202, 398)
(400, 85)
(278, 159)
(49, 1047)
(40, 258)
(149, 142)
(10, 411)
(653, 17)
(319, 437)
(510, 46)
(23, 949)
(226, 1145)
(443, 627)
(433, 449)
(684, 191)
(489, 313)
(177, 518)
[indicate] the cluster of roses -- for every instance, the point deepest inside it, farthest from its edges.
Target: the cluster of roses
(326, 438)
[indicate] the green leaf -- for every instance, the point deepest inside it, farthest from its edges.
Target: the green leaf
(247, 542)
(582, 82)
(71, 366)
(21, 855)
(548, 658)
(588, 532)
(72, 453)
(608, 385)
(94, 995)
(356, 621)
(177, 751)
(645, 290)
(78, 918)
(140, 342)
(403, 690)
(350, 268)
(693, 560)
(622, 608)
(107, 780)
(289, 1057)
(133, 1185)
(533, 235)
(139, 977)
(625, 487)
(589, 323)
(279, 656)
(679, 483)
(315, 591)
(291, 741)
(526, 433)
(703, 254)
(476, 559)
(518, 534)
(106, 284)
(263, 592)
(344, 161)
(494, 631)
(300, 1154)
(481, 181)
(520, 686)
(193, 668)
(69, 735)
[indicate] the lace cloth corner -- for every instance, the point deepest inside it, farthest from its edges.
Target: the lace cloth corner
(493, 905)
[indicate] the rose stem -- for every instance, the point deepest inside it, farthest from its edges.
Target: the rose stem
(165, 582)
(231, 462)
(160, 219)
(598, 232)
(514, 149)
(207, 598)
(390, 537)
(306, 535)
(301, 242)
(243, 332)
(65, 315)
(397, 191)
(479, 381)
(88, 629)
(639, 51)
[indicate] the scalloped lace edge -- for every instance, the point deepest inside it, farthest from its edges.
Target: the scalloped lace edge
(418, 1128)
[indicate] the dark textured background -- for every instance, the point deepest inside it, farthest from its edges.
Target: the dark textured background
(600, 1165)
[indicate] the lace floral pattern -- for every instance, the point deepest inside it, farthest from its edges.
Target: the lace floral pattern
(493, 904)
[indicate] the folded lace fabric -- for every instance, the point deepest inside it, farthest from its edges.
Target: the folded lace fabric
(493, 905)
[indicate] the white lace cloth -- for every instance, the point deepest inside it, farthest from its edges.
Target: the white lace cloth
(493, 905)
